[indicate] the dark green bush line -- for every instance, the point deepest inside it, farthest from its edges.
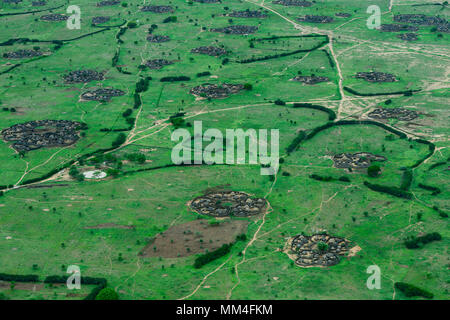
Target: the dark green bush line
(330, 60)
(211, 256)
(410, 290)
(289, 37)
(83, 280)
(115, 130)
(29, 12)
(396, 192)
(11, 68)
(416, 242)
(431, 148)
(435, 190)
(294, 144)
(175, 78)
(99, 282)
(331, 113)
(115, 58)
(120, 139)
(330, 124)
(329, 178)
(171, 165)
(400, 134)
(203, 74)
(275, 56)
(19, 278)
(137, 100)
(85, 35)
(356, 93)
(281, 55)
(441, 213)
(142, 84)
(406, 180)
(12, 41)
(94, 292)
(437, 164)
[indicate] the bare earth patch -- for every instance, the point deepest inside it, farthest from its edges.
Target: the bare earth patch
(194, 237)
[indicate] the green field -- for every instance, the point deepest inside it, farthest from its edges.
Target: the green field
(50, 220)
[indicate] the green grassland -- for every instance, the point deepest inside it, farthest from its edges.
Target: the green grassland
(47, 227)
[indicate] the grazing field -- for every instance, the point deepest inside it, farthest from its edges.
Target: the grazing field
(96, 187)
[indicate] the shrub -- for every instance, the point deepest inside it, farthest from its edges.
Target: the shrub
(170, 19)
(435, 190)
(121, 138)
(248, 86)
(203, 74)
(373, 170)
(127, 113)
(406, 179)
(107, 294)
(280, 102)
(175, 78)
(417, 242)
(396, 192)
(177, 121)
(331, 113)
(211, 256)
(322, 246)
(410, 290)
(19, 278)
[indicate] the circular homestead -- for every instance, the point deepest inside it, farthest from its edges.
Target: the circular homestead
(214, 91)
(83, 76)
(393, 113)
(54, 17)
(359, 160)
(103, 94)
(423, 20)
(20, 54)
(397, 27)
(343, 15)
(236, 29)
(158, 38)
(157, 64)
(374, 76)
(311, 80)
(207, 1)
(228, 203)
(100, 20)
(315, 19)
(248, 14)
(108, 3)
(319, 250)
(210, 51)
(293, 3)
(94, 174)
(42, 134)
(157, 9)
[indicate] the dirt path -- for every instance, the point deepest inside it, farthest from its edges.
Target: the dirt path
(254, 238)
(204, 279)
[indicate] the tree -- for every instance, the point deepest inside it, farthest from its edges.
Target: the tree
(121, 138)
(107, 294)
(322, 246)
(373, 171)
